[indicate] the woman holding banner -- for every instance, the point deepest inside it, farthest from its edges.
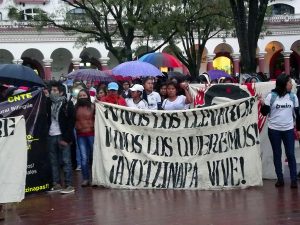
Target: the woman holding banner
(281, 104)
(174, 102)
(153, 98)
(85, 118)
(136, 100)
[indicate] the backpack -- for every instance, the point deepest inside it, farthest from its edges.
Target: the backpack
(274, 95)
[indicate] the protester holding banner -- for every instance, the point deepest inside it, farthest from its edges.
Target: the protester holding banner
(136, 100)
(112, 96)
(61, 126)
(153, 98)
(298, 137)
(85, 118)
(174, 102)
(163, 91)
(280, 105)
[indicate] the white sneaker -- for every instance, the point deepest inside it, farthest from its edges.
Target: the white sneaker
(67, 190)
(56, 188)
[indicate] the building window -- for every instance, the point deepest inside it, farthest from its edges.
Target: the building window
(282, 9)
(29, 14)
(0, 16)
(75, 13)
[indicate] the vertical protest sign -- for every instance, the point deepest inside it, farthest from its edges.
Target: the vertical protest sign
(13, 159)
(32, 105)
(216, 147)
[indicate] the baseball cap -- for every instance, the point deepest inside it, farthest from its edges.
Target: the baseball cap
(113, 86)
(137, 87)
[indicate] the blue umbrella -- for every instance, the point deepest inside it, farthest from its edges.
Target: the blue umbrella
(136, 69)
(217, 74)
(19, 75)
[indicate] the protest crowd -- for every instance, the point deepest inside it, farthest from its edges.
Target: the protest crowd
(71, 107)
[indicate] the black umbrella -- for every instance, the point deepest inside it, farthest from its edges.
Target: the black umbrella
(19, 75)
(180, 77)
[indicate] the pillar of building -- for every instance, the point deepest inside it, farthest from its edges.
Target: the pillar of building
(76, 63)
(261, 62)
(48, 68)
(18, 61)
(236, 63)
(104, 63)
(210, 59)
(287, 65)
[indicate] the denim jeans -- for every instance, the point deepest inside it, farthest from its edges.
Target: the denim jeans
(86, 152)
(78, 156)
(60, 155)
(276, 137)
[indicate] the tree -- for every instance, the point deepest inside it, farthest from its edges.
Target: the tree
(248, 17)
(116, 23)
(196, 21)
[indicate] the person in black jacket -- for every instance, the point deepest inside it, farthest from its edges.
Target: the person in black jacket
(61, 121)
(281, 104)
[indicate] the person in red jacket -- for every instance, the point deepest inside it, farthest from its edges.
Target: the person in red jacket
(112, 95)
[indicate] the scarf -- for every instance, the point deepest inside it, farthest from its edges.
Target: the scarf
(57, 102)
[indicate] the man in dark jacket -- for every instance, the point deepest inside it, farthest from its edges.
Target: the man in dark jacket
(61, 125)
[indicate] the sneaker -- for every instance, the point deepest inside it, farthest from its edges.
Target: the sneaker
(78, 168)
(85, 183)
(279, 183)
(56, 188)
(294, 184)
(67, 190)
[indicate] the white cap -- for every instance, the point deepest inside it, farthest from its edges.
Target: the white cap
(137, 87)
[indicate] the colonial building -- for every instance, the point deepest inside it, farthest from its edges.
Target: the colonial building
(52, 53)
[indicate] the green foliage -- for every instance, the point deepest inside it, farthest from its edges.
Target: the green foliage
(13, 13)
(195, 22)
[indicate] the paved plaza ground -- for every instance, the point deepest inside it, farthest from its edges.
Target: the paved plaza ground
(260, 205)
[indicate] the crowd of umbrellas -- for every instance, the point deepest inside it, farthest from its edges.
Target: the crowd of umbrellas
(148, 65)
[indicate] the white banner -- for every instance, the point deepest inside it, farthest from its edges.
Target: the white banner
(13, 159)
(217, 147)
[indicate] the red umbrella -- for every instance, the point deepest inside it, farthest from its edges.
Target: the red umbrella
(161, 60)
